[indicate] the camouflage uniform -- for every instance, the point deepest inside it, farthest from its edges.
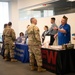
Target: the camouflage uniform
(9, 38)
(34, 43)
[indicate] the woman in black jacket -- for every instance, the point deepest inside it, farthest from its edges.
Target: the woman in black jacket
(43, 34)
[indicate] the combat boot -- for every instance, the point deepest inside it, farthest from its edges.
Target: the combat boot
(40, 69)
(6, 59)
(33, 68)
(13, 60)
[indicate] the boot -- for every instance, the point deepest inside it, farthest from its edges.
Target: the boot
(13, 60)
(40, 69)
(6, 59)
(33, 68)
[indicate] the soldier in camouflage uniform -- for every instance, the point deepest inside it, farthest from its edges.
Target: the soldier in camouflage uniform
(34, 43)
(9, 38)
(3, 50)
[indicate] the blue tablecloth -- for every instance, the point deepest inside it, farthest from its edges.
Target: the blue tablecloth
(21, 53)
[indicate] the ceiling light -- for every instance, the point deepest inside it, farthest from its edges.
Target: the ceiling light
(71, 0)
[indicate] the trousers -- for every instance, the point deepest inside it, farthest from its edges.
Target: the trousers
(35, 54)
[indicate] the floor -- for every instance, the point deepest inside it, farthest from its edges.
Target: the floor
(18, 68)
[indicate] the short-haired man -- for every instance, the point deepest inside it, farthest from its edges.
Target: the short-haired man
(9, 39)
(3, 50)
(64, 35)
(34, 43)
(51, 31)
(26, 34)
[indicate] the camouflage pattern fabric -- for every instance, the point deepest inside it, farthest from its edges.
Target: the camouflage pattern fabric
(34, 43)
(9, 38)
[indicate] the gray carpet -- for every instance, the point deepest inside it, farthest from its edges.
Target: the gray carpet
(18, 68)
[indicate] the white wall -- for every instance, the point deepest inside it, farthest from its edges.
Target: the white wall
(46, 21)
(27, 3)
(14, 7)
(14, 15)
(19, 25)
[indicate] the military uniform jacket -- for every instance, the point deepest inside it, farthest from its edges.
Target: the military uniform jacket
(9, 35)
(33, 35)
